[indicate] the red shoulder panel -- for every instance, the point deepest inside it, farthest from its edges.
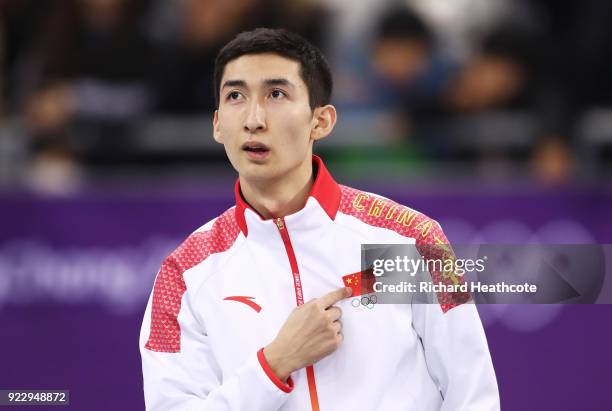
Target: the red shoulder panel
(170, 286)
(379, 212)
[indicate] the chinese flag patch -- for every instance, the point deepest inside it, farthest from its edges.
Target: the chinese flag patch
(361, 282)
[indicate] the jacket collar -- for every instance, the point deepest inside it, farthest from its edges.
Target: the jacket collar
(324, 189)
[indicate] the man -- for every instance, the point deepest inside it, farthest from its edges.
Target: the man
(222, 330)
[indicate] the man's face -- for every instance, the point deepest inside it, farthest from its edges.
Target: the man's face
(264, 119)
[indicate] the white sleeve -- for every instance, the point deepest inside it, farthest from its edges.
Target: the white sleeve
(191, 378)
(457, 356)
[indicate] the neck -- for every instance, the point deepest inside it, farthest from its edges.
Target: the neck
(272, 199)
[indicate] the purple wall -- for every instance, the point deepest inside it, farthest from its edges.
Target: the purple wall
(75, 274)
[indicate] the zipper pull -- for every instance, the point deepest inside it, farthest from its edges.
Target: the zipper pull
(280, 224)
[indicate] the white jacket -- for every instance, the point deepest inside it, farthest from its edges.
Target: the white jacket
(224, 293)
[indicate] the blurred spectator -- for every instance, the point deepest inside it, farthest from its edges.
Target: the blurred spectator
(499, 76)
(184, 76)
(186, 64)
(402, 69)
(406, 69)
(19, 21)
(462, 25)
(575, 78)
(403, 72)
(89, 69)
(552, 161)
(578, 51)
(458, 80)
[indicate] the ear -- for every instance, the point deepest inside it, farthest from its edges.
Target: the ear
(323, 122)
(216, 132)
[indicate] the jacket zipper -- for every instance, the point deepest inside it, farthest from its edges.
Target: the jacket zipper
(299, 297)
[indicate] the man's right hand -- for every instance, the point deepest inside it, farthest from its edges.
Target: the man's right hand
(311, 332)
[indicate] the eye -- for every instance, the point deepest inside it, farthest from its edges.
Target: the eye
(277, 94)
(234, 95)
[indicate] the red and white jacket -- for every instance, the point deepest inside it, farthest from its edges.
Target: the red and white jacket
(224, 293)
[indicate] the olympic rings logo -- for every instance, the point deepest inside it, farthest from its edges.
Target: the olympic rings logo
(367, 301)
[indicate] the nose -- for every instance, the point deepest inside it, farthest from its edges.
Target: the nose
(256, 118)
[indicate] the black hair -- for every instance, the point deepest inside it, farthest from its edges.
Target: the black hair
(314, 69)
(400, 23)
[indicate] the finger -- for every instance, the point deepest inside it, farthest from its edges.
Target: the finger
(337, 326)
(335, 296)
(333, 313)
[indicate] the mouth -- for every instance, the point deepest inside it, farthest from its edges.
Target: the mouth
(256, 150)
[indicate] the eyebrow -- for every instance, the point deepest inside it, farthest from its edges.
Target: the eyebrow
(234, 83)
(278, 82)
(267, 82)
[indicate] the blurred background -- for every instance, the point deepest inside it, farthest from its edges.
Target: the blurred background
(492, 116)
